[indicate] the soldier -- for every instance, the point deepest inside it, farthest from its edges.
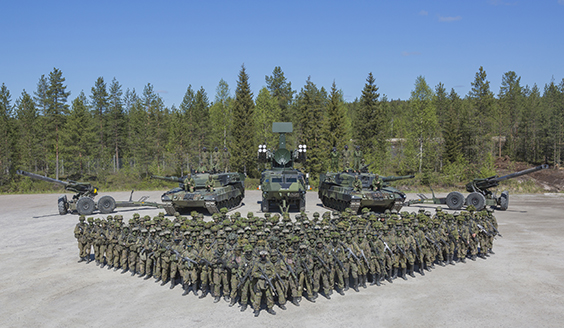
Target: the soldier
(210, 183)
(143, 240)
(115, 240)
(206, 257)
(204, 161)
(321, 269)
(337, 272)
(80, 235)
(190, 268)
(220, 272)
(175, 260)
(245, 279)
(263, 274)
(334, 160)
(357, 184)
(124, 249)
(280, 278)
(150, 248)
(132, 244)
(346, 158)
(377, 182)
(189, 183)
(304, 271)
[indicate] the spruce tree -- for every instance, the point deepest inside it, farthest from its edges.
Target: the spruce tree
(27, 132)
(78, 136)
(509, 111)
(481, 99)
(281, 90)
(99, 103)
(243, 156)
(6, 147)
(337, 116)
(117, 123)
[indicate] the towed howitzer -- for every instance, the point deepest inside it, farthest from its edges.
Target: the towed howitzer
(83, 199)
(480, 196)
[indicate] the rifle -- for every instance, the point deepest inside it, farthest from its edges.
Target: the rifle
(495, 230)
(386, 247)
(351, 253)
(483, 230)
(365, 259)
(338, 261)
(288, 266)
(268, 280)
(401, 250)
(433, 242)
(206, 262)
(323, 263)
(307, 271)
(245, 277)
(462, 238)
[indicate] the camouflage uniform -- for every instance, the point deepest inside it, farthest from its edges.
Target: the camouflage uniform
(80, 235)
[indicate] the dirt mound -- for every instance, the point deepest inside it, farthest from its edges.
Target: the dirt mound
(551, 179)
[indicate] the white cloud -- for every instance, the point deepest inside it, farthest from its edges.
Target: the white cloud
(425, 13)
(449, 19)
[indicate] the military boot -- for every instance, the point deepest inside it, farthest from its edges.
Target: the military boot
(82, 259)
(347, 280)
(271, 311)
(204, 291)
(186, 289)
(295, 301)
(452, 259)
(355, 284)
(103, 264)
(172, 283)
(403, 271)
(473, 258)
(157, 279)
(133, 272)
(395, 275)
(256, 312)
(165, 282)
(374, 281)
(282, 306)
(363, 278)
(147, 277)
(195, 288)
(411, 271)
(491, 251)
(389, 276)
(233, 302)
(463, 259)
(243, 307)
(340, 291)
(124, 270)
(216, 299)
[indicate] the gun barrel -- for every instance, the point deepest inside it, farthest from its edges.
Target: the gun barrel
(520, 173)
(40, 177)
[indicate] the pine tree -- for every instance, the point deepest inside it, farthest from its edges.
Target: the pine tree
(189, 116)
(482, 100)
(220, 114)
(244, 152)
(57, 108)
(451, 127)
(41, 103)
(99, 103)
(266, 112)
(117, 123)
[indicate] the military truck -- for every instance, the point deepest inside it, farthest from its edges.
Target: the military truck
(206, 190)
(283, 187)
(82, 201)
(353, 190)
(480, 194)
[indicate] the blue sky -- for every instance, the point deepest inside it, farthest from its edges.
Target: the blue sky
(173, 44)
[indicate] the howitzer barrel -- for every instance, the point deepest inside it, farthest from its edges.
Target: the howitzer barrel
(173, 179)
(481, 184)
(395, 178)
(40, 177)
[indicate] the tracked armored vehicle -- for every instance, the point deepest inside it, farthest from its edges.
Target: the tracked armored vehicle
(283, 187)
(480, 194)
(209, 191)
(339, 191)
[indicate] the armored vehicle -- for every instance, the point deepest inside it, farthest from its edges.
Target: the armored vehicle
(83, 200)
(358, 190)
(480, 196)
(282, 185)
(204, 190)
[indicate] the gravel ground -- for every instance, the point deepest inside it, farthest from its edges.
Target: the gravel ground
(42, 285)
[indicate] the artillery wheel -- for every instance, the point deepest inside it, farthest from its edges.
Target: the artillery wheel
(264, 206)
(504, 201)
(106, 204)
(85, 206)
(63, 205)
(455, 200)
(476, 199)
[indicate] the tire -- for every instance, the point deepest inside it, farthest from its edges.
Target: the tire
(85, 206)
(455, 200)
(476, 199)
(63, 205)
(504, 201)
(106, 204)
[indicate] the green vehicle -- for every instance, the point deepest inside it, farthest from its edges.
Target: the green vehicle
(210, 191)
(283, 187)
(339, 191)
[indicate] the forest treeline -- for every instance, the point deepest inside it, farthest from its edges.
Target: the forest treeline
(116, 131)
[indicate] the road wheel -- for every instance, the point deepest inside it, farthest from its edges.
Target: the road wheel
(455, 200)
(476, 199)
(504, 201)
(106, 204)
(63, 205)
(85, 206)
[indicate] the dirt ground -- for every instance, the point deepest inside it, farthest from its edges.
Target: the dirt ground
(42, 285)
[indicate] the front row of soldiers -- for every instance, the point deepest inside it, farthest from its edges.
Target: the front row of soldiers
(244, 259)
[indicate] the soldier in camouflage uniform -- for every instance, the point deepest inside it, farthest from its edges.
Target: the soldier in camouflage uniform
(346, 158)
(263, 273)
(80, 231)
(220, 272)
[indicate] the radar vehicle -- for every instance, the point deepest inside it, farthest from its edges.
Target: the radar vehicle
(282, 186)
